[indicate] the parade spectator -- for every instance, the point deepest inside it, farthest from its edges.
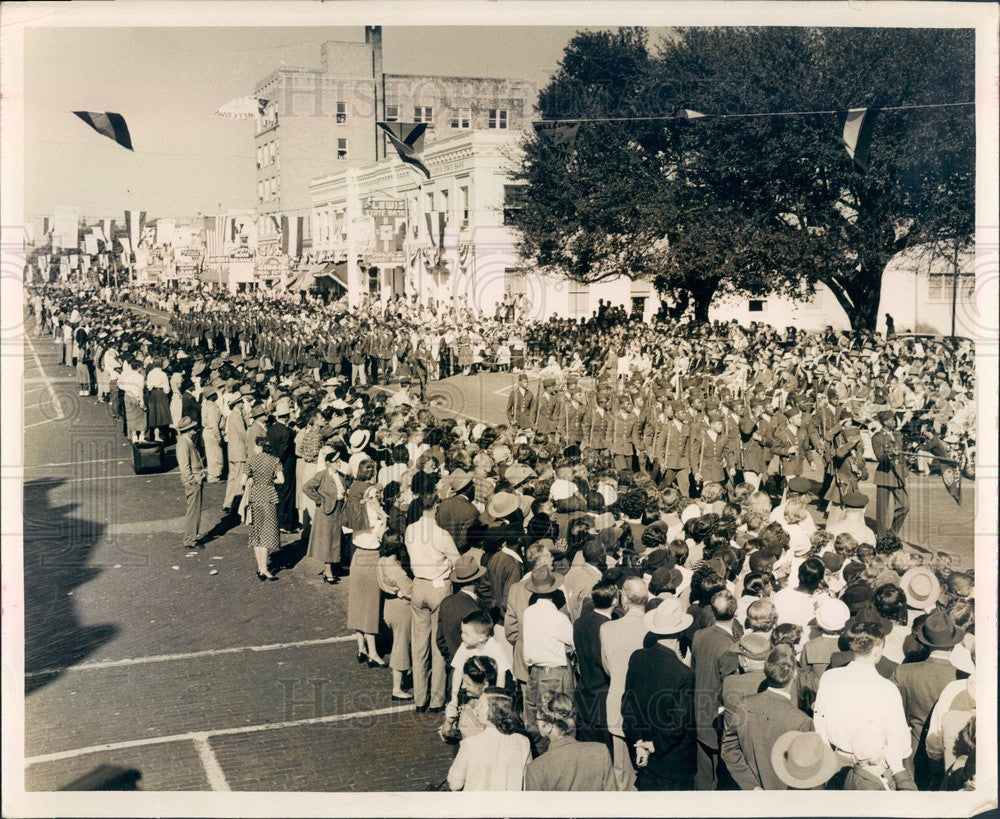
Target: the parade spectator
(568, 764)
(494, 759)
(263, 472)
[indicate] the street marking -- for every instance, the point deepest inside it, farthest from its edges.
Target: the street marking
(171, 474)
(74, 463)
(45, 375)
(189, 655)
(39, 423)
(194, 736)
(213, 770)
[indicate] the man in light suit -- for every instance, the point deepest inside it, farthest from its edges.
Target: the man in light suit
(192, 472)
(619, 638)
(211, 436)
(236, 450)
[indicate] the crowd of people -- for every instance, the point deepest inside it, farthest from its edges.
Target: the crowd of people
(658, 574)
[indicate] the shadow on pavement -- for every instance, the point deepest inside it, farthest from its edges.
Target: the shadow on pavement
(289, 555)
(57, 549)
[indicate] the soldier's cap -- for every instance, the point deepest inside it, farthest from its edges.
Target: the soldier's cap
(855, 500)
(804, 486)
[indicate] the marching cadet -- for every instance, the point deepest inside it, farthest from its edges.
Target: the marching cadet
(521, 404)
(596, 432)
(672, 443)
(709, 453)
(545, 406)
(846, 469)
(571, 412)
(753, 431)
(890, 481)
(621, 433)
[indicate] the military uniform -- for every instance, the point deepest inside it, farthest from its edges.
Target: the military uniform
(890, 484)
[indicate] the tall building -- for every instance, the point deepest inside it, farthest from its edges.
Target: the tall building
(321, 121)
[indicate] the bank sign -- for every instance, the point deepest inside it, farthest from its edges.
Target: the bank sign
(385, 207)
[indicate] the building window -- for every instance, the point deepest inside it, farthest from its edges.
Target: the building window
(939, 286)
(373, 284)
(273, 150)
(260, 156)
(463, 119)
(513, 201)
(757, 306)
(498, 118)
(392, 113)
(463, 204)
(341, 149)
(341, 112)
(579, 299)
(424, 113)
(260, 191)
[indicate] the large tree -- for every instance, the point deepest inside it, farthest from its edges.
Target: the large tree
(752, 204)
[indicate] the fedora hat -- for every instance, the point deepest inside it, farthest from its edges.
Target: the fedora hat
(359, 440)
(186, 424)
(459, 479)
(921, 587)
(754, 646)
(518, 474)
(831, 614)
(541, 581)
(501, 505)
(467, 569)
(938, 631)
(258, 411)
(803, 760)
(282, 407)
(667, 618)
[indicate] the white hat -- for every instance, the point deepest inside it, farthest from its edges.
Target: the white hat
(359, 440)
(831, 614)
(608, 492)
(667, 618)
(562, 489)
(690, 512)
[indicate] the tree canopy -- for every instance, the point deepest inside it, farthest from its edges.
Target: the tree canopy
(751, 204)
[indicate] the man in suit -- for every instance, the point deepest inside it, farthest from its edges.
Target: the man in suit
(282, 441)
(211, 436)
(235, 432)
(921, 683)
(192, 472)
(545, 406)
(658, 705)
(890, 481)
(582, 576)
(460, 602)
(456, 513)
(707, 647)
(619, 639)
(592, 690)
(757, 722)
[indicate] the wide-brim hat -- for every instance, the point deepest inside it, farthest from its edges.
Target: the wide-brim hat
(501, 505)
(855, 500)
(359, 440)
(541, 581)
(459, 479)
(754, 645)
(186, 424)
(803, 760)
(938, 631)
(258, 411)
(209, 392)
(921, 587)
(518, 474)
(667, 618)
(466, 570)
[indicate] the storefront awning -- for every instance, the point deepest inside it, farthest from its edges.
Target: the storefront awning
(336, 271)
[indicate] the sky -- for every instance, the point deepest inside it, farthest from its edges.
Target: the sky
(167, 82)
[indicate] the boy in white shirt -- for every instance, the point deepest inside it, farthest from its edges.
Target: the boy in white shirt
(478, 640)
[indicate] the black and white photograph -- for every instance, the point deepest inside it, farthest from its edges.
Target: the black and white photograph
(580, 401)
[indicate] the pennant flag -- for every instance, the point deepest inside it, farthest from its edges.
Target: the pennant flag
(688, 113)
(66, 227)
(408, 140)
(442, 221)
(46, 227)
(110, 125)
(291, 236)
(135, 222)
(562, 135)
(125, 243)
(274, 221)
(243, 108)
(951, 474)
(859, 123)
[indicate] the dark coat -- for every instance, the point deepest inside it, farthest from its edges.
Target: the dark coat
(449, 634)
(707, 648)
(455, 515)
(592, 690)
(658, 705)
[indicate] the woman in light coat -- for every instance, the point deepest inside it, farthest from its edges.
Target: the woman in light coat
(328, 490)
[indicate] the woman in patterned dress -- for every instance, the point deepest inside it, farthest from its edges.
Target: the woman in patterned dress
(263, 468)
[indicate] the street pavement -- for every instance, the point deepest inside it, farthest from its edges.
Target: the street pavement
(183, 665)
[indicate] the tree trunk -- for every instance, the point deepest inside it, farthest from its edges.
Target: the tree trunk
(702, 301)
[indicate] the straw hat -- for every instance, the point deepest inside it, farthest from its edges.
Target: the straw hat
(667, 618)
(802, 760)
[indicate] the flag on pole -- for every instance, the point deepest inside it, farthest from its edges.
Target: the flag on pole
(126, 244)
(562, 135)
(65, 230)
(291, 236)
(951, 474)
(408, 140)
(689, 113)
(108, 124)
(135, 222)
(859, 123)
(90, 243)
(243, 108)
(430, 228)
